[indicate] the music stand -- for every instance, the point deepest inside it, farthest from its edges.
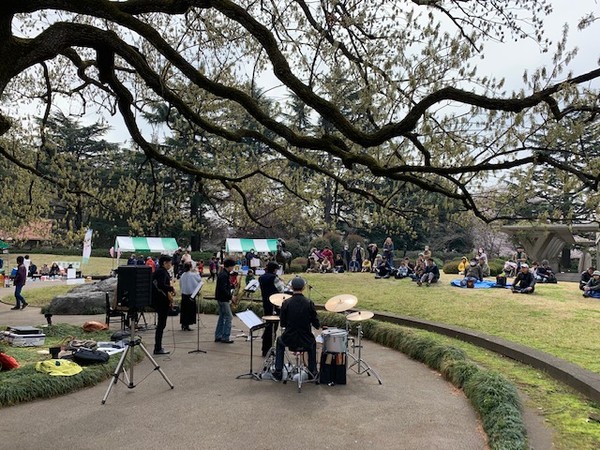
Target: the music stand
(253, 322)
(194, 297)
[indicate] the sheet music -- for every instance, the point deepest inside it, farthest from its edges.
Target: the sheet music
(249, 319)
(197, 290)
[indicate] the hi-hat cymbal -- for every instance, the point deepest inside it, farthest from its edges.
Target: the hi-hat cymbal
(359, 315)
(341, 303)
(277, 299)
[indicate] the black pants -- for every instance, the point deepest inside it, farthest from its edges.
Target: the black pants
(161, 323)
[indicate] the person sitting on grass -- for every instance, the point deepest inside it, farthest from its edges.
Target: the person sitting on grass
(366, 266)
(544, 273)
(384, 269)
(463, 265)
(339, 264)
(354, 266)
(585, 277)
(524, 282)
(473, 273)
(592, 287)
(402, 271)
(485, 268)
(325, 266)
(431, 274)
(419, 269)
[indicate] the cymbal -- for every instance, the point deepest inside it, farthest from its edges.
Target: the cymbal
(341, 303)
(270, 318)
(359, 315)
(277, 299)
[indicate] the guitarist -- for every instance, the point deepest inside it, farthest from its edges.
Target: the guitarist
(162, 299)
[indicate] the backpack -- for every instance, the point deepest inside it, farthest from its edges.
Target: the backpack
(85, 356)
(501, 280)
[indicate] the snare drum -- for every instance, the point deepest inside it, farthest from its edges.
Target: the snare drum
(335, 340)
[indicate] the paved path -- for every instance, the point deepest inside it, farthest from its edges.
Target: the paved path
(209, 409)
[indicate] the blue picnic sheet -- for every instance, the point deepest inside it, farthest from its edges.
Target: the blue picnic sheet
(480, 284)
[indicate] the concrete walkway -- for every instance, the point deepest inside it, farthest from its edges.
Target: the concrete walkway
(210, 409)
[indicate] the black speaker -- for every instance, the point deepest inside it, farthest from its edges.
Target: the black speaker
(134, 286)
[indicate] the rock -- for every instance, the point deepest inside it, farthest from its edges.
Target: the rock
(89, 298)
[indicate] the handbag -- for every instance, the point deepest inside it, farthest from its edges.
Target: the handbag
(85, 356)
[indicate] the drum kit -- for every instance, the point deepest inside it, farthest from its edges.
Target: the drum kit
(335, 340)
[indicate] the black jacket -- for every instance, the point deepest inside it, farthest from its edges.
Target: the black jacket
(297, 315)
(267, 288)
(224, 287)
(161, 284)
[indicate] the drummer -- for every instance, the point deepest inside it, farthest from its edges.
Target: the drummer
(267, 288)
(298, 313)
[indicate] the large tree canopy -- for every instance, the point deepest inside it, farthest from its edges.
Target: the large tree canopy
(384, 94)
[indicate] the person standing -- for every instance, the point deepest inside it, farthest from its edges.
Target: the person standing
(20, 279)
(188, 282)
(224, 296)
(297, 315)
(27, 263)
(162, 292)
(268, 288)
(212, 268)
(388, 250)
(372, 251)
(358, 254)
(520, 257)
(347, 257)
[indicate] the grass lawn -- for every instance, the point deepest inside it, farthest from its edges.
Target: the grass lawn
(555, 319)
(96, 265)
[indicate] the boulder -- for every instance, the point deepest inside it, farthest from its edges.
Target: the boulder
(89, 298)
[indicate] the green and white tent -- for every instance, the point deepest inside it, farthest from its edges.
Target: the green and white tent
(244, 245)
(145, 245)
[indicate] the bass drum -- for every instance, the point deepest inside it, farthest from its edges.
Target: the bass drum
(335, 340)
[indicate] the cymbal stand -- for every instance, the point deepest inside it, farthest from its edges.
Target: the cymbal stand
(269, 361)
(362, 365)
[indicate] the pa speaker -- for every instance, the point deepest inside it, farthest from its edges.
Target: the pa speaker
(134, 286)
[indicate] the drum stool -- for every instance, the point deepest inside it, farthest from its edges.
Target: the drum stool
(299, 369)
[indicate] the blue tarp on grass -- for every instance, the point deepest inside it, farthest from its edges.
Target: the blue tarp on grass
(480, 284)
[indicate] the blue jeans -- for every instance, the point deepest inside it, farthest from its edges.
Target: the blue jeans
(223, 329)
(312, 357)
(463, 282)
(20, 300)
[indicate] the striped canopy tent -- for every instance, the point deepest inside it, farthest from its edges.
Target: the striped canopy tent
(245, 245)
(145, 245)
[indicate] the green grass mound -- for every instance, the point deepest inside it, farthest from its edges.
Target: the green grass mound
(492, 395)
(26, 384)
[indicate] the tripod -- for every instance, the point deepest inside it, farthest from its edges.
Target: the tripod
(198, 350)
(362, 366)
(131, 344)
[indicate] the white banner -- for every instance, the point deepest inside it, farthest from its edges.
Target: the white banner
(87, 246)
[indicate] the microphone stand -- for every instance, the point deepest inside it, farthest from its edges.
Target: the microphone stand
(198, 350)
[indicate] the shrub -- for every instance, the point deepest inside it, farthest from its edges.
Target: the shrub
(496, 266)
(451, 267)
